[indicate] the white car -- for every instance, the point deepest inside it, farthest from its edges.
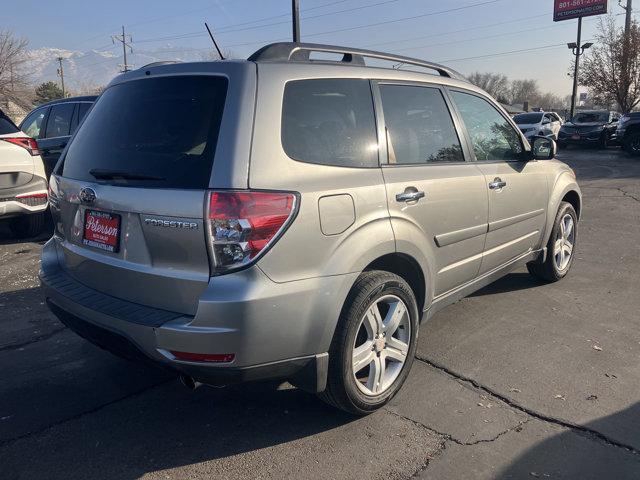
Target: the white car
(23, 182)
(546, 124)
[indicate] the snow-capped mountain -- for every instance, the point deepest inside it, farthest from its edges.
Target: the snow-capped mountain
(84, 71)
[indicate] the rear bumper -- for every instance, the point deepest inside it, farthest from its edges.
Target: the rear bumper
(274, 330)
(11, 205)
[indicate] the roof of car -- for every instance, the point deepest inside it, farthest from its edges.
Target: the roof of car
(84, 98)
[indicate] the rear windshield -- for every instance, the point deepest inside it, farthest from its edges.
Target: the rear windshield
(6, 125)
(157, 132)
(525, 118)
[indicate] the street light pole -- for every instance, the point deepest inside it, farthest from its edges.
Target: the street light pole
(577, 52)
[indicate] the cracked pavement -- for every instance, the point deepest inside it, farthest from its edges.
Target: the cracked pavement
(520, 380)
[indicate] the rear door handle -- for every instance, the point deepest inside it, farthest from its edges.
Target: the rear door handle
(497, 184)
(409, 196)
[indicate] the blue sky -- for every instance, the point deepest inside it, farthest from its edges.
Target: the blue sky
(421, 28)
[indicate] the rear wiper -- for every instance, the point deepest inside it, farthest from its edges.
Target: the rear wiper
(105, 174)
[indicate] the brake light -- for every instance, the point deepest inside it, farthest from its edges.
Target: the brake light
(27, 143)
(242, 224)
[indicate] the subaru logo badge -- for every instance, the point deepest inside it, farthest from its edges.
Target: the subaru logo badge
(87, 195)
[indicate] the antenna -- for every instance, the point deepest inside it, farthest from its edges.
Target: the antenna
(214, 41)
(295, 17)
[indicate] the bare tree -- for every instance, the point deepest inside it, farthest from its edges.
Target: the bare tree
(524, 91)
(495, 84)
(14, 79)
(611, 69)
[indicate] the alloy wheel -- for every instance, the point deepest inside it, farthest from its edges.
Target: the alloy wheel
(565, 239)
(381, 345)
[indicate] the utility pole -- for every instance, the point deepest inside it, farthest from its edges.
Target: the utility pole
(126, 41)
(61, 75)
(627, 24)
(295, 14)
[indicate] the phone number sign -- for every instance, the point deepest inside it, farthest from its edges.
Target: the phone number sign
(568, 9)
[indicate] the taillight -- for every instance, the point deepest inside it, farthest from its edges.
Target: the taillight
(242, 224)
(27, 143)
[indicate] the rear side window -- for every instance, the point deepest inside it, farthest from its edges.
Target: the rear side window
(419, 126)
(59, 123)
(6, 125)
(154, 132)
(492, 135)
(330, 122)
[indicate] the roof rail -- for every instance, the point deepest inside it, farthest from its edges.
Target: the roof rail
(300, 52)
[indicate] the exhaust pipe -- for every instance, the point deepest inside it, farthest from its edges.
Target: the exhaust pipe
(189, 382)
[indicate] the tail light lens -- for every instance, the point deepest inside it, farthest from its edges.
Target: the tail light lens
(243, 224)
(27, 143)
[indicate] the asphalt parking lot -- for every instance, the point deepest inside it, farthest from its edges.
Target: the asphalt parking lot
(521, 380)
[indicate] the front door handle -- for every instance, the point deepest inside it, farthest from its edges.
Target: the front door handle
(497, 184)
(409, 196)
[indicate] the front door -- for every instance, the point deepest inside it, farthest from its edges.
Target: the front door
(517, 189)
(436, 200)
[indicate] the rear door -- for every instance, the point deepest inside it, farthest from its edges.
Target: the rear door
(517, 188)
(437, 200)
(56, 134)
(131, 190)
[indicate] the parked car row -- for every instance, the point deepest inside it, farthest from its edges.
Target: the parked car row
(28, 154)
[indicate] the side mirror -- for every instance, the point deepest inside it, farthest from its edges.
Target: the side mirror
(543, 148)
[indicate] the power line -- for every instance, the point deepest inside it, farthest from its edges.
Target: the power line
(225, 30)
(499, 35)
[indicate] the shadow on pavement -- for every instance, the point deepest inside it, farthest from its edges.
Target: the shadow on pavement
(71, 410)
(593, 164)
(575, 455)
(509, 283)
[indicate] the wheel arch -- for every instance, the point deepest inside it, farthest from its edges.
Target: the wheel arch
(407, 268)
(574, 199)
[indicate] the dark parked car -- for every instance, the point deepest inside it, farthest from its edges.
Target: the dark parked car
(628, 133)
(596, 127)
(53, 123)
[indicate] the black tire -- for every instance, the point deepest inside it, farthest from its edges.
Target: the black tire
(632, 144)
(562, 146)
(28, 226)
(548, 271)
(342, 390)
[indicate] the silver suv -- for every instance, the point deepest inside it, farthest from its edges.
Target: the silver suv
(295, 217)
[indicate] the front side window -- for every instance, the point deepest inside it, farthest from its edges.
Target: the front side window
(32, 125)
(492, 136)
(330, 122)
(59, 123)
(419, 126)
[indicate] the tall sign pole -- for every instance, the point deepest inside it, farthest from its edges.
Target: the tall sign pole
(577, 52)
(566, 10)
(295, 13)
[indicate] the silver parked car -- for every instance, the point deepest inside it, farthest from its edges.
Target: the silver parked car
(293, 218)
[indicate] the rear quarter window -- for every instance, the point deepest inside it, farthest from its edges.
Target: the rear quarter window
(153, 132)
(330, 122)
